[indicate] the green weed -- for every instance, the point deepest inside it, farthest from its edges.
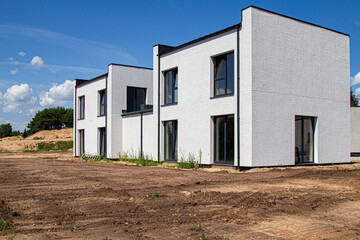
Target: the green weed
(203, 236)
(155, 195)
(196, 228)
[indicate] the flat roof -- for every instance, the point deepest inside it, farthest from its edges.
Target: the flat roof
(171, 49)
(83, 81)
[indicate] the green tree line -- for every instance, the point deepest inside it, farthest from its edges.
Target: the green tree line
(47, 119)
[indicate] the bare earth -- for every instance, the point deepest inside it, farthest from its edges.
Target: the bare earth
(19, 144)
(51, 197)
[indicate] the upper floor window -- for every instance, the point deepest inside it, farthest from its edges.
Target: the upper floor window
(82, 107)
(102, 101)
(135, 98)
(171, 86)
(224, 74)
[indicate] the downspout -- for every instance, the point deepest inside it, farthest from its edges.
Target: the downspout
(75, 120)
(141, 135)
(238, 93)
(158, 105)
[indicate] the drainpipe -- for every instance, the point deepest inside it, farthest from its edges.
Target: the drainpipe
(75, 119)
(141, 135)
(158, 104)
(238, 93)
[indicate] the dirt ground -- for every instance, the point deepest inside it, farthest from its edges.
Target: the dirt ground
(19, 144)
(54, 197)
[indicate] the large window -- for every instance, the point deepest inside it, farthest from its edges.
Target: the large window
(82, 107)
(224, 74)
(171, 86)
(135, 98)
(224, 139)
(81, 142)
(304, 139)
(102, 142)
(170, 140)
(102, 103)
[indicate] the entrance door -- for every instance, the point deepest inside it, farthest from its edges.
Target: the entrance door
(304, 139)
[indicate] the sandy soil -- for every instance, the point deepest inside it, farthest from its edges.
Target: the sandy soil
(19, 144)
(54, 198)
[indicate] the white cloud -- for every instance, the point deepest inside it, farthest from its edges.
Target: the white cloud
(15, 71)
(16, 96)
(88, 47)
(355, 80)
(16, 62)
(11, 59)
(37, 62)
(34, 110)
(357, 92)
(58, 94)
(22, 54)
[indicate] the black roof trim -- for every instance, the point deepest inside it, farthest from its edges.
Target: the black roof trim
(137, 112)
(124, 65)
(201, 39)
(296, 19)
(83, 82)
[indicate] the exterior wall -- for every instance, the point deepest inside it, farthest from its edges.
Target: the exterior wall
(91, 121)
(195, 107)
(297, 69)
(355, 129)
(120, 77)
(132, 134)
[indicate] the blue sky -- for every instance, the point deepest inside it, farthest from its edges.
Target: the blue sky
(46, 44)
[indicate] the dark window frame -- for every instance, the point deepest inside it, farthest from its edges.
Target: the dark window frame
(81, 107)
(174, 141)
(135, 103)
(225, 78)
(102, 130)
(174, 88)
(302, 151)
(225, 139)
(102, 93)
(81, 141)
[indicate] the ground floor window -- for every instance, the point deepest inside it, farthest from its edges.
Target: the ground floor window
(224, 139)
(170, 138)
(82, 142)
(304, 139)
(102, 142)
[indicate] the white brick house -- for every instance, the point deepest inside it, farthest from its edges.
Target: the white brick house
(271, 90)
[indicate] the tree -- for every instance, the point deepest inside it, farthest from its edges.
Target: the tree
(5, 130)
(354, 101)
(51, 118)
(25, 133)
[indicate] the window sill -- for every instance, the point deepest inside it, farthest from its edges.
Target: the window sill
(81, 119)
(222, 96)
(101, 115)
(169, 104)
(223, 163)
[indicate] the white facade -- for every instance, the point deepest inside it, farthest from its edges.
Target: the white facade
(355, 130)
(283, 68)
(115, 82)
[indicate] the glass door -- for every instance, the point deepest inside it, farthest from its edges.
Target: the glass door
(304, 139)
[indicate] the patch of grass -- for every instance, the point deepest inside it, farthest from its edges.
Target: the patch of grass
(225, 238)
(71, 229)
(203, 236)
(188, 163)
(5, 225)
(144, 161)
(57, 146)
(38, 138)
(196, 228)
(156, 195)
